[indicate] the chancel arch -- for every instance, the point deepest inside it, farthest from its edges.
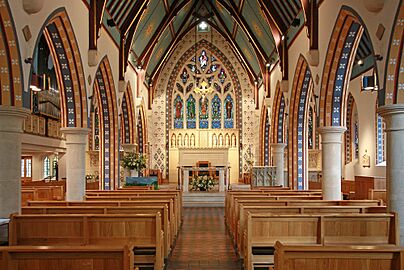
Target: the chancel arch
(105, 104)
(302, 91)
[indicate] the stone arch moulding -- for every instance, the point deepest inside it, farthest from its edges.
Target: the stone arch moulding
(265, 136)
(11, 75)
(394, 79)
(338, 64)
(66, 56)
(142, 130)
(128, 117)
(104, 89)
(298, 113)
(236, 84)
(278, 116)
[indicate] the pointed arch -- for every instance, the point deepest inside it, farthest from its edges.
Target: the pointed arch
(265, 136)
(394, 78)
(278, 116)
(128, 117)
(338, 64)
(349, 137)
(204, 44)
(11, 76)
(302, 89)
(104, 90)
(60, 37)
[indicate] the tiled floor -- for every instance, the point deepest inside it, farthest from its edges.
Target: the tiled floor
(203, 242)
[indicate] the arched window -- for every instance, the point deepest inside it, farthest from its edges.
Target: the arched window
(380, 139)
(46, 167)
(356, 133)
(214, 110)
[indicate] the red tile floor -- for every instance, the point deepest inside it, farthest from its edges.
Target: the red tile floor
(203, 242)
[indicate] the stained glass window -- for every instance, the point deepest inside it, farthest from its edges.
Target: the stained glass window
(222, 76)
(203, 113)
(203, 60)
(380, 128)
(216, 112)
(184, 76)
(178, 112)
(46, 167)
(96, 130)
(191, 116)
(356, 135)
(228, 112)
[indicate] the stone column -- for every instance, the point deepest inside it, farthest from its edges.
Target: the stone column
(11, 123)
(76, 141)
(278, 150)
(222, 187)
(394, 117)
(185, 180)
(331, 143)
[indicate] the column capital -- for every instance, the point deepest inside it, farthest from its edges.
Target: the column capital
(331, 134)
(331, 129)
(394, 115)
(11, 118)
(278, 147)
(75, 135)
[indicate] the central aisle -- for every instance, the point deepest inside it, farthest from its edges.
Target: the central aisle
(203, 242)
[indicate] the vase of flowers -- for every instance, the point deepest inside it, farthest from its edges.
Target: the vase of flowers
(135, 162)
(202, 183)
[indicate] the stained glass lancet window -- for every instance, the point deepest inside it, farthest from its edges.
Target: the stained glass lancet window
(228, 112)
(203, 113)
(216, 112)
(178, 112)
(191, 116)
(310, 129)
(381, 136)
(356, 134)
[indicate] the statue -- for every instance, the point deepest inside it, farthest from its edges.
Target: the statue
(178, 108)
(229, 107)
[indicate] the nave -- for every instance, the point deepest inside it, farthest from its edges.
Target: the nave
(203, 242)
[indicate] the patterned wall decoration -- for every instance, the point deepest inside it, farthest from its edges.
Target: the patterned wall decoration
(348, 134)
(264, 142)
(340, 58)
(278, 116)
(394, 79)
(298, 121)
(128, 118)
(107, 103)
(70, 75)
(163, 115)
(11, 78)
(141, 131)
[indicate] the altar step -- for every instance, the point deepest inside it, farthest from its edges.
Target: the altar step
(203, 199)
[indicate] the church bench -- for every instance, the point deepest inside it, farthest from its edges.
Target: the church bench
(41, 193)
(245, 210)
(143, 231)
(168, 203)
(296, 257)
(263, 230)
(66, 257)
(163, 209)
(176, 202)
(377, 194)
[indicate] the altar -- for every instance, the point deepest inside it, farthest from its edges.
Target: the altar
(185, 172)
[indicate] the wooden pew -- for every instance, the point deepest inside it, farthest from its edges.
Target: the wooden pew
(168, 203)
(163, 209)
(264, 230)
(292, 257)
(41, 193)
(66, 257)
(377, 194)
(143, 196)
(143, 231)
(246, 209)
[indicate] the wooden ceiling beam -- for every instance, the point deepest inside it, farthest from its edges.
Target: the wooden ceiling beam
(133, 15)
(174, 10)
(96, 12)
(232, 9)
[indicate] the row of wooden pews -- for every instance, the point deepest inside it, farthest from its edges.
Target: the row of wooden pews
(257, 219)
(147, 221)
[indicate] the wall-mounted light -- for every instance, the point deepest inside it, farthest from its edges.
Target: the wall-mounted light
(360, 62)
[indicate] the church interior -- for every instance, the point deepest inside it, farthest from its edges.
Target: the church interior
(201, 134)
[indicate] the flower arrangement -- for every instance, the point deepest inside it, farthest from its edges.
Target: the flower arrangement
(134, 161)
(202, 183)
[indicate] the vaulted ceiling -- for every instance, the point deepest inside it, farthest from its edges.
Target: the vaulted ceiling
(253, 28)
